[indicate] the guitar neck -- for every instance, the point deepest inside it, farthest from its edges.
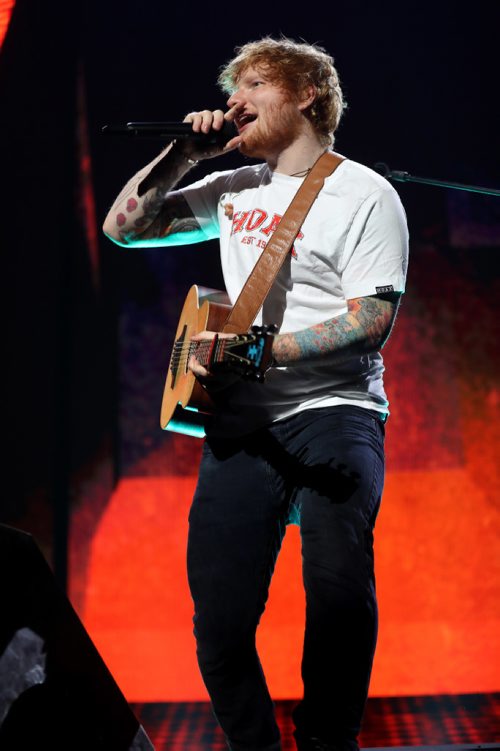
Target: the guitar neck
(209, 353)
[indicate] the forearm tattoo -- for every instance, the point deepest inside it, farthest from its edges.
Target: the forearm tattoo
(174, 216)
(362, 330)
(148, 207)
(161, 217)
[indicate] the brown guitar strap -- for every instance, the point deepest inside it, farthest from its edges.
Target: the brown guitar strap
(265, 271)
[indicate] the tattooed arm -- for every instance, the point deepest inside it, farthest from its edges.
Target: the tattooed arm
(364, 329)
(143, 214)
(148, 212)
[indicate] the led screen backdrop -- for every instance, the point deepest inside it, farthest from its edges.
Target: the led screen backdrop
(437, 534)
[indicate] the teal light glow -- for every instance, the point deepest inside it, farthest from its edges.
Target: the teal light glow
(187, 421)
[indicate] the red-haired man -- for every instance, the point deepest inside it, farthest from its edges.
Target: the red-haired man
(307, 445)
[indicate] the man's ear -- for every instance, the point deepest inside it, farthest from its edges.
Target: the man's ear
(307, 97)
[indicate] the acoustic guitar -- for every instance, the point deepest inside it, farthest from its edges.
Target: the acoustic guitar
(185, 399)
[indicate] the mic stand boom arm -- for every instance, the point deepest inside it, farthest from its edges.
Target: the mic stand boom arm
(405, 177)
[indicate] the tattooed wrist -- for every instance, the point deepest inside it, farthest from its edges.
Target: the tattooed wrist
(167, 171)
(285, 349)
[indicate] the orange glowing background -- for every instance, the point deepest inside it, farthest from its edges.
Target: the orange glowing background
(6, 8)
(436, 538)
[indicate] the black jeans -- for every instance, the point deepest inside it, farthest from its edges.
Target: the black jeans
(324, 469)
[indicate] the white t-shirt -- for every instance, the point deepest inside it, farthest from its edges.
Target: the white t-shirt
(353, 243)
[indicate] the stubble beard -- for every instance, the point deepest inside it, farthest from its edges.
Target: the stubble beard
(276, 129)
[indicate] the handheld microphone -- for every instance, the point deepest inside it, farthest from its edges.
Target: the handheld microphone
(171, 131)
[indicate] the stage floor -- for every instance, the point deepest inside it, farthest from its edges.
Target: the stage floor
(395, 721)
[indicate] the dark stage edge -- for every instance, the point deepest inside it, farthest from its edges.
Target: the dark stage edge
(450, 722)
(446, 747)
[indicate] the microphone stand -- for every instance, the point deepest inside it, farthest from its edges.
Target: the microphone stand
(405, 177)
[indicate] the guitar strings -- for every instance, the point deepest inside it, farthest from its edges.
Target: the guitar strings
(182, 351)
(199, 348)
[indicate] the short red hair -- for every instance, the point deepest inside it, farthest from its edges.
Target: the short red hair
(294, 66)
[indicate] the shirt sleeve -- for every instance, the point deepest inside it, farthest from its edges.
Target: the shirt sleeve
(375, 257)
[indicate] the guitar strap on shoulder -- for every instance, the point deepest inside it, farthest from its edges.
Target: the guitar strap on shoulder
(265, 271)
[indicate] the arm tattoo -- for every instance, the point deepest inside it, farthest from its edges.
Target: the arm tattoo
(148, 209)
(176, 216)
(165, 216)
(362, 330)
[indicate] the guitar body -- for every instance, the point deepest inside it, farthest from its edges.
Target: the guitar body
(182, 390)
(248, 355)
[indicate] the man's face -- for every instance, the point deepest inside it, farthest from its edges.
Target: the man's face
(266, 116)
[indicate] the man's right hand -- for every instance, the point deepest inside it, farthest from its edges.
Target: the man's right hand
(204, 122)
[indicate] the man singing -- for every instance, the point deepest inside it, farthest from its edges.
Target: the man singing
(307, 445)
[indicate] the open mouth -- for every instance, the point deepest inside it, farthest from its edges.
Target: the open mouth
(243, 120)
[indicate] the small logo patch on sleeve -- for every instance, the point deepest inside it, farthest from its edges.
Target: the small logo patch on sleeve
(387, 288)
